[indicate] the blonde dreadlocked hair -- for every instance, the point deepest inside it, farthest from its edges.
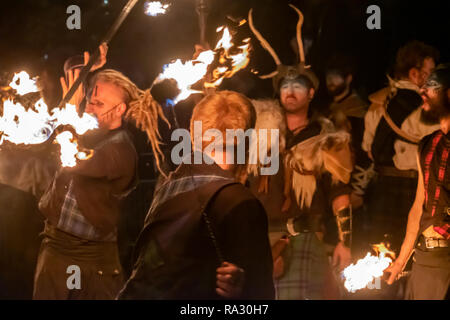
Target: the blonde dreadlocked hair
(141, 108)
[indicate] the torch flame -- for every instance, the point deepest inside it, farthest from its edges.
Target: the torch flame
(22, 83)
(382, 248)
(225, 41)
(237, 61)
(358, 276)
(187, 74)
(155, 8)
(21, 126)
(69, 149)
(190, 72)
(35, 125)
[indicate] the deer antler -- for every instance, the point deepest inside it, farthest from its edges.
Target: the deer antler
(299, 34)
(270, 75)
(264, 44)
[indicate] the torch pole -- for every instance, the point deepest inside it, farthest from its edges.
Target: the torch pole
(109, 35)
(202, 8)
(174, 116)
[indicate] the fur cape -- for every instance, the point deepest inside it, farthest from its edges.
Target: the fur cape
(329, 151)
(269, 115)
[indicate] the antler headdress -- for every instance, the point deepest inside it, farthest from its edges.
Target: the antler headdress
(284, 71)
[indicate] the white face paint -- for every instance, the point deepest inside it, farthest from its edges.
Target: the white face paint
(293, 96)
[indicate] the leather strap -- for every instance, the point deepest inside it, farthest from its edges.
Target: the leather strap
(394, 172)
(209, 225)
(394, 127)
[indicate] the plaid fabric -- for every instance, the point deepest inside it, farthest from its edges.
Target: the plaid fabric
(73, 222)
(428, 159)
(443, 230)
(305, 269)
(172, 188)
(440, 167)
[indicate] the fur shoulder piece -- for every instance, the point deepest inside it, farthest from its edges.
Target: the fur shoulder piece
(328, 151)
(269, 116)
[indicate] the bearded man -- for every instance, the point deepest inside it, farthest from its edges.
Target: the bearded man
(393, 129)
(428, 228)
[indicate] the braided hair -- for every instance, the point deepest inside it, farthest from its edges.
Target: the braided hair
(142, 108)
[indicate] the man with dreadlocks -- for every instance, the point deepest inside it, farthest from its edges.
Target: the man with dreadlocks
(428, 228)
(81, 206)
(309, 188)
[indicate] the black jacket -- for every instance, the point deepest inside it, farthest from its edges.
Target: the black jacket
(176, 258)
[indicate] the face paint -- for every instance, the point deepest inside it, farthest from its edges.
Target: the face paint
(293, 86)
(293, 95)
(434, 107)
(103, 103)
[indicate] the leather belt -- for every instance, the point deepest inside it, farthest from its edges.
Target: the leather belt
(432, 243)
(394, 172)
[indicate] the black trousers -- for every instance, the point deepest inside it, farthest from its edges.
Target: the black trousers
(430, 275)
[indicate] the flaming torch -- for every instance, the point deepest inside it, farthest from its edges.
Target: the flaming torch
(202, 9)
(365, 271)
(22, 83)
(35, 125)
(229, 59)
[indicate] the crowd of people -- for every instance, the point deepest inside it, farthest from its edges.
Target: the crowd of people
(351, 175)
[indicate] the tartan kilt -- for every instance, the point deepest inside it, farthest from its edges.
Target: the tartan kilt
(306, 265)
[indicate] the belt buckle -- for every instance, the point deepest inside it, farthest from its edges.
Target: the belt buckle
(428, 244)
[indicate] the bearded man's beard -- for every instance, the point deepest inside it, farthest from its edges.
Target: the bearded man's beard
(337, 90)
(440, 108)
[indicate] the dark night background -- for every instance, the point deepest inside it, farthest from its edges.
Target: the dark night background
(34, 37)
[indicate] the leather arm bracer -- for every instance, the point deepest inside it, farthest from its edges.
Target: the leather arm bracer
(344, 224)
